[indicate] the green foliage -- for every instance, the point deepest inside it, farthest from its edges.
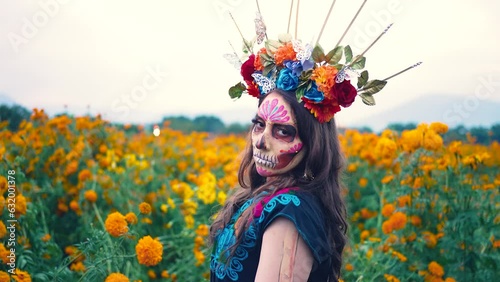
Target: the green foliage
(14, 114)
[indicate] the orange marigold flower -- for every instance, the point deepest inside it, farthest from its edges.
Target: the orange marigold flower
(435, 268)
(116, 277)
(4, 276)
(90, 195)
(387, 179)
(324, 76)
(3, 229)
(388, 209)
(21, 276)
(284, 53)
(362, 182)
(46, 237)
(349, 267)
(449, 279)
(364, 234)
(398, 220)
(151, 274)
(145, 208)
(164, 274)
(115, 224)
(77, 266)
(131, 218)
(391, 278)
(404, 201)
(202, 230)
(149, 251)
(84, 174)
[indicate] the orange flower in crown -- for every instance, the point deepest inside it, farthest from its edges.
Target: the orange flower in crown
(324, 82)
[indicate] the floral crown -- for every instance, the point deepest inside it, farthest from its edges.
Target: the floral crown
(321, 80)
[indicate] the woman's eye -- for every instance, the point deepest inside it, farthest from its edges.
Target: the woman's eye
(258, 125)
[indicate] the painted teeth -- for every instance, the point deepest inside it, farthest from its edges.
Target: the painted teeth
(264, 161)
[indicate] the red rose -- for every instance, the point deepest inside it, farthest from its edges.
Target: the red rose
(344, 93)
(247, 68)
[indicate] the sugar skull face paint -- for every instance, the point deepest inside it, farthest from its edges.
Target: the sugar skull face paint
(276, 144)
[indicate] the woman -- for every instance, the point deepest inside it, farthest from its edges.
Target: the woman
(287, 222)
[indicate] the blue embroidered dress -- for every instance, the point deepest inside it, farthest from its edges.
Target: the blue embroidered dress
(301, 207)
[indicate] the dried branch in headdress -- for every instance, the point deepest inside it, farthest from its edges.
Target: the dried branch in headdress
(350, 24)
(326, 20)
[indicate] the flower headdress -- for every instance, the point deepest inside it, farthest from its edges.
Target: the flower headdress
(321, 80)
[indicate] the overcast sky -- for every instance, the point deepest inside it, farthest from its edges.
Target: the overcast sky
(137, 61)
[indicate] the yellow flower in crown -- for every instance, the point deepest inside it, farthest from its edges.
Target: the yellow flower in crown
(324, 82)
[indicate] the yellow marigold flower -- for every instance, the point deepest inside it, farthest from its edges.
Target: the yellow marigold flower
(349, 267)
(385, 148)
(77, 266)
(164, 208)
(189, 219)
(131, 218)
(20, 205)
(90, 195)
(145, 208)
(116, 277)
(438, 127)
(435, 268)
(46, 237)
(149, 251)
(115, 224)
(147, 220)
(71, 168)
(391, 278)
(202, 230)
(4, 276)
(432, 141)
(388, 209)
(221, 197)
(3, 230)
(21, 276)
(200, 257)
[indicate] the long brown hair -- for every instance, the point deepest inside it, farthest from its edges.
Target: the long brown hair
(319, 173)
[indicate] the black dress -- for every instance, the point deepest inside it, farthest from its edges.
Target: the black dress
(301, 207)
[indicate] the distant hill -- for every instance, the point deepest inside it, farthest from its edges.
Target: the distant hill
(452, 110)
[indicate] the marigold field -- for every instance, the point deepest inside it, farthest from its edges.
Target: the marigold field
(102, 202)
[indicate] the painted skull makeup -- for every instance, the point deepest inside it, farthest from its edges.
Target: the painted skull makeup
(277, 147)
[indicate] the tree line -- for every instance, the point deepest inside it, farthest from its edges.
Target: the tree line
(15, 114)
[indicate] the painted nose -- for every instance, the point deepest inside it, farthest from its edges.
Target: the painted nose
(261, 144)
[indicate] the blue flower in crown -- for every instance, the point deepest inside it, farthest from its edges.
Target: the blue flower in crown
(287, 80)
(313, 94)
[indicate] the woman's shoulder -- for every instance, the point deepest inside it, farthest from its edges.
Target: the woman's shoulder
(303, 209)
